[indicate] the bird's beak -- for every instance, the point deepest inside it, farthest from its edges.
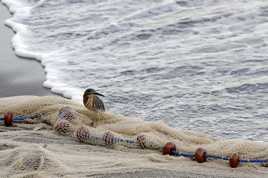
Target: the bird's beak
(99, 94)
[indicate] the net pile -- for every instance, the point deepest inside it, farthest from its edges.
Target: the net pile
(106, 129)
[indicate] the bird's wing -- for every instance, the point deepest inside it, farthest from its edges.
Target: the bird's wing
(94, 103)
(90, 102)
(99, 104)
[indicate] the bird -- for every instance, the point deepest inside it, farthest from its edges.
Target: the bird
(92, 102)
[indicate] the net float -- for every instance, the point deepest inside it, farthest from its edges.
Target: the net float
(200, 155)
(234, 160)
(169, 149)
(141, 141)
(108, 138)
(82, 134)
(67, 113)
(8, 119)
(63, 127)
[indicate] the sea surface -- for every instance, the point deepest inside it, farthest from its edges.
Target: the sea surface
(194, 64)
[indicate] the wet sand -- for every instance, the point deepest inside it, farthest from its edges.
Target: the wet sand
(18, 76)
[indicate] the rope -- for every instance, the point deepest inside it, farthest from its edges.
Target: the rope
(255, 161)
(92, 136)
(215, 157)
(16, 119)
(98, 137)
(184, 154)
(22, 118)
(109, 139)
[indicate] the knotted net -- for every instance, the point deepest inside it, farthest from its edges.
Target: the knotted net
(107, 129)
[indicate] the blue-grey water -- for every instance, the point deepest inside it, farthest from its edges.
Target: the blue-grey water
(195, 64)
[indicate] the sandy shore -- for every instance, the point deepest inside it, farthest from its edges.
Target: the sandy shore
(37, 151)
(18, 76)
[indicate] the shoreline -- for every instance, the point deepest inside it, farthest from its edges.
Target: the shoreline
(18, 75)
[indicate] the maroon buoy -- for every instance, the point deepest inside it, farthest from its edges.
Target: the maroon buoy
(234, 160)
(200, 155)
(8, 119)
(169, 148)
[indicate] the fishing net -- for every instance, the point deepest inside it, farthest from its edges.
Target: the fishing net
(106, 129)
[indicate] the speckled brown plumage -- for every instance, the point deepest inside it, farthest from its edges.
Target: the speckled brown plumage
(92, 101)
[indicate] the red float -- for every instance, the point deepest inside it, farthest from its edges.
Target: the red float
(8, 119)
(169, 148)
(200, 155)
(234, 160)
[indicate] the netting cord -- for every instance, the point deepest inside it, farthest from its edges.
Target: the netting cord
(17, 119)
(191, 155)
(21, 118)
(215, 157)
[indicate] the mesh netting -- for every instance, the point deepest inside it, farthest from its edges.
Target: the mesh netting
(72, 119)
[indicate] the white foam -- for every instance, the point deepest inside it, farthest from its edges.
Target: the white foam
(13, 5)
(21, 49)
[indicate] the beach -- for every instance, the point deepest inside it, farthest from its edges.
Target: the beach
(18, 76)
(38, 151)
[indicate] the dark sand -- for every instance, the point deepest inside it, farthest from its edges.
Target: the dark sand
(18, 76)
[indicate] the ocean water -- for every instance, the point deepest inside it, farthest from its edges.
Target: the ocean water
(195, 64)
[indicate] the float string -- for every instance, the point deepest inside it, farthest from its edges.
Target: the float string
(214, 157)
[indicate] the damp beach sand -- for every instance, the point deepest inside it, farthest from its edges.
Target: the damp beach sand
(18, 76)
